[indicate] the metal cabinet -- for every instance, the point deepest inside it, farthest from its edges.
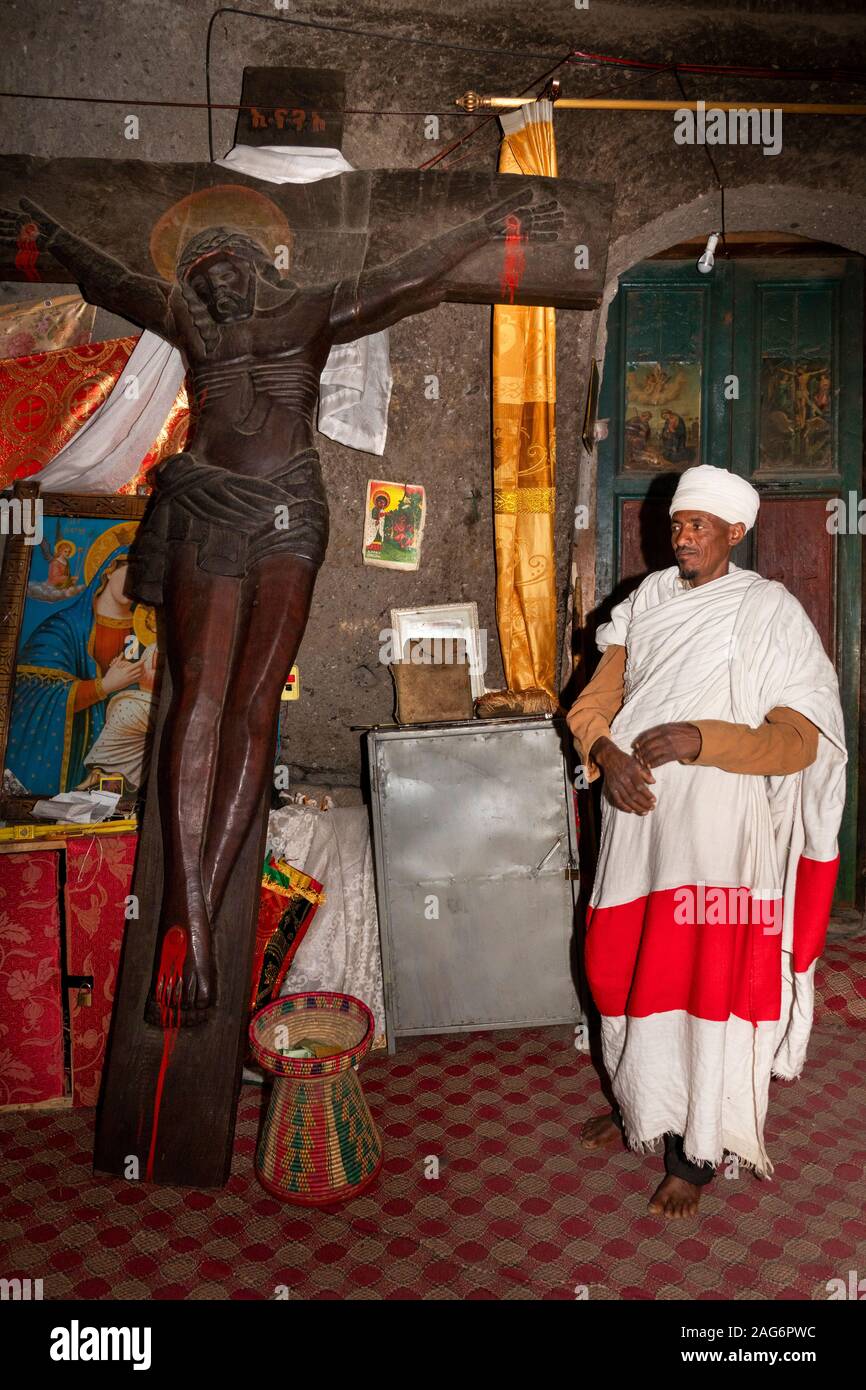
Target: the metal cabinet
(475, 850)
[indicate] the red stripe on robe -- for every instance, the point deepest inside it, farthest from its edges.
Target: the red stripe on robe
(641, 960)
(813, 899)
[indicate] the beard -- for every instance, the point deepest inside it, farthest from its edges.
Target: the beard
(227, 305)
(687, 567)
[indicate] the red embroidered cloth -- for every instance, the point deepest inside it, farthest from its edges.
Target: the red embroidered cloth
(31, 1018)
(46, 397)
(98, 880)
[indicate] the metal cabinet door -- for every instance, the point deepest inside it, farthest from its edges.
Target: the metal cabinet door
(474, 839)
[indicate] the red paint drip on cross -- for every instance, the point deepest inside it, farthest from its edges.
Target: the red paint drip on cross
(514, 260)
(27, 252)
(169, 980)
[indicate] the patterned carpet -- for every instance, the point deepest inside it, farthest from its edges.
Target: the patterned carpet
(518, 1210)
(840, 983)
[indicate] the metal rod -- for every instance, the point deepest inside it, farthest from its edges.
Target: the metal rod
(473, 101)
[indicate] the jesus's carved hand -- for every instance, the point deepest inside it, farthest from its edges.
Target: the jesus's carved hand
(45, 224)
(667, 743)
(626, 780)
(530, 213)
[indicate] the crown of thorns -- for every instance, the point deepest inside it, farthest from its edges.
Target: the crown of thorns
(219, 239)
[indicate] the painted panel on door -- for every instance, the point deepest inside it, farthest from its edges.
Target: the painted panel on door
(797, 373)
(794, 546)
(662, 415)
(664, 338)
(645, 537)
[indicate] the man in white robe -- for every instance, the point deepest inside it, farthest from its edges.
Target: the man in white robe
(714, 717)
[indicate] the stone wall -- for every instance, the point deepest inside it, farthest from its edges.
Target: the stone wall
(664, 193)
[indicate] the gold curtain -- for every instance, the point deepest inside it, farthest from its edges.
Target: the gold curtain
(524, 446)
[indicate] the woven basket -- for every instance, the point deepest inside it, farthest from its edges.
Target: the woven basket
(318, 1143)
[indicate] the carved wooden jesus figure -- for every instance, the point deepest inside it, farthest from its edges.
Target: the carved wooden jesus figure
(239, 524)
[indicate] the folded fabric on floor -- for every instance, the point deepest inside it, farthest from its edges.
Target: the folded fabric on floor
(340, 951)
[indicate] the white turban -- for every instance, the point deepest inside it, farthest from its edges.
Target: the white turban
(718, 491)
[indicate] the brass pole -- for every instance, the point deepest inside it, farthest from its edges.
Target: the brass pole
(473, 101)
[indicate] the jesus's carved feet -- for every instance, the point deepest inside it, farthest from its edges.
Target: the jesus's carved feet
(182, 988)
(674, 1199)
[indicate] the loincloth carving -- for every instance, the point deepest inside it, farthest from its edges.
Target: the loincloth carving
(234, 520)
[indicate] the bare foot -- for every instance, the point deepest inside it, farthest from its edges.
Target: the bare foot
(600, 1133)
(182, 984)
(675, 1198)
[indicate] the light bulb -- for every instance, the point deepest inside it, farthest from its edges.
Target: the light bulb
(708, 259)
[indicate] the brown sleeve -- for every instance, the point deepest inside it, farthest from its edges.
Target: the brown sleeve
(785, 742)
(86, 695)
(590, 716)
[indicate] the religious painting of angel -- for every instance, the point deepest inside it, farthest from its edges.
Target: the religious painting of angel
(83, 669)
(393, 525)
(662, 427)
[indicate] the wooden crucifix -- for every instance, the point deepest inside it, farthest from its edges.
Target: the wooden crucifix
(254, 282)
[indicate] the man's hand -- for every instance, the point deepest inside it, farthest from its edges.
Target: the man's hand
(625, 779)
(667, 743)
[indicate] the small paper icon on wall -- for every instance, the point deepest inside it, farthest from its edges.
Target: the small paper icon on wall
(393, 525)
(292, 687)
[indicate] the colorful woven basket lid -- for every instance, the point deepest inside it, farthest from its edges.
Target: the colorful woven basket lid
(339, 1020)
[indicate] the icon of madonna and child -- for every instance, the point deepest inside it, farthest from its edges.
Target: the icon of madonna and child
(84, 702)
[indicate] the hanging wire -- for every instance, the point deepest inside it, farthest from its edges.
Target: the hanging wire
(209, 106)
(129, 102)
(93, 840)
(855, 76)
(576, 58)
(713, 166)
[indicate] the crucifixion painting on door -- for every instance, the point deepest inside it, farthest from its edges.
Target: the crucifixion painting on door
(254, 283)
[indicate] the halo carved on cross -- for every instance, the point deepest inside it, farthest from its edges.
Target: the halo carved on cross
(226, 205)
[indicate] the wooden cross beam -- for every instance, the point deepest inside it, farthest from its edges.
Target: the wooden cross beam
(140, 213)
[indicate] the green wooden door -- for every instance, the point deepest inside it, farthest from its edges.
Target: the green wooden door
(757, 367)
